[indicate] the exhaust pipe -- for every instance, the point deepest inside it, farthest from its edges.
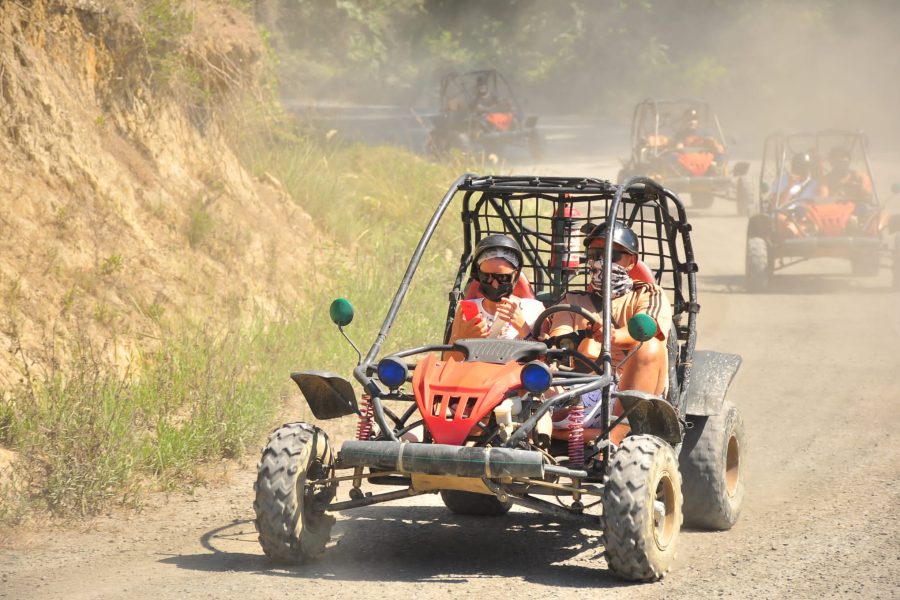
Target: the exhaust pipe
(443, 459)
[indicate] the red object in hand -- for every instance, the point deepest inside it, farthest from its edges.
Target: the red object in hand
(469, 310)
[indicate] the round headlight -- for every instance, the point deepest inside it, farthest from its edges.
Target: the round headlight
(392, 372)
(536, 377)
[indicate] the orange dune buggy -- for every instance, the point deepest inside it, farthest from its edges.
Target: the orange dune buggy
(817, 200)
(680, 144)
(484, 422)
(480, 113)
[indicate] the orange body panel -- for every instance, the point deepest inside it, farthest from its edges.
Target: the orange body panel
(501, 120)
(697, 163)
(454, 396)
(830, 219)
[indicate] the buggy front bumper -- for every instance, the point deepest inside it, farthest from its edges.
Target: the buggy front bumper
(442, 459)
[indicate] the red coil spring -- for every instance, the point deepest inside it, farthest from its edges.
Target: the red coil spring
(364, 427)
(576, 436)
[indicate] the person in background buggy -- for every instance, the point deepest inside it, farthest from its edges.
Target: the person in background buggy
(802, 183)
(485, 100)
(646, 367)
(842, 181)
(690, 135)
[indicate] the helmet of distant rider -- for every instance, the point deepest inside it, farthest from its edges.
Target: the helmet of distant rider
(801, 164)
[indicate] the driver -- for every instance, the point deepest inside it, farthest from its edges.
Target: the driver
(496, 265)
(487, 101)
(692, 135)
(844, 182)
(647, 366)
(800, 184)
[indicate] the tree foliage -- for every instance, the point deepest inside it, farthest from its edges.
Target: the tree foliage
(599, 51)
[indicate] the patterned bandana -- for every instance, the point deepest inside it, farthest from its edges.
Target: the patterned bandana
(620, 282)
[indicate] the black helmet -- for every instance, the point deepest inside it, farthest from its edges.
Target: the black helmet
(497, 246)
(622, 235)
(801, 163)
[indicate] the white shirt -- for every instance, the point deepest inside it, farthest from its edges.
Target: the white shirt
(530, 310)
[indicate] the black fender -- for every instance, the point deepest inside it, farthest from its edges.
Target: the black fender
(329, 396)
(649, 414)
(711, 377)
(760, 226)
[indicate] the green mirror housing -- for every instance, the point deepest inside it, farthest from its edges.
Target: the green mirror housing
(764, 187)
(642, 327)
(341, 312)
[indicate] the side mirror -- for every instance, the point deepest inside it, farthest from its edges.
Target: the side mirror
(642, 327)
(740, 169)
(341, 312)
(764, 188)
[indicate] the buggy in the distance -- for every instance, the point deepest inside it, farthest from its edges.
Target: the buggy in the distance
(479, 113)
(681, 145)
(816, 200)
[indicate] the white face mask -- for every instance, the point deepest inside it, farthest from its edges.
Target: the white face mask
(620, 282)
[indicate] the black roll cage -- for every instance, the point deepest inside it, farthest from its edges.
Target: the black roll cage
(519, 206)
(779, 147)
(650, 110)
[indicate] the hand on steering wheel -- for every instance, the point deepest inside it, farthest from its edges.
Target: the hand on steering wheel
(569, 341)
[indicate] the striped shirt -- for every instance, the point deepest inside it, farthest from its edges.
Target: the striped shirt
(644, 297)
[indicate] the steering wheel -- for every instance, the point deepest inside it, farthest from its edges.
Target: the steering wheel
(569, 341)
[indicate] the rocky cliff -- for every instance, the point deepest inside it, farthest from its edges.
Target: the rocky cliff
(121, 201)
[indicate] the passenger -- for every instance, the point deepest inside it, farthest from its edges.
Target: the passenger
(647, 368)
(844, 182)
(485, 101)
(496, 265)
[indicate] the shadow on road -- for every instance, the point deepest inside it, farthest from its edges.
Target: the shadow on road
(425, 544)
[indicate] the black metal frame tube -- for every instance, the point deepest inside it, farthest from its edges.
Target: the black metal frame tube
(360, 371)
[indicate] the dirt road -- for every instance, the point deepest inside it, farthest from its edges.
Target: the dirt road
(818, 390)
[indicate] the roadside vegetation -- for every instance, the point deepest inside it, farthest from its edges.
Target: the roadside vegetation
(89, 433)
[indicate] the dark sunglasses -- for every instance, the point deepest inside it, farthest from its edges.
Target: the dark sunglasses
(598, 253)
(500, 278)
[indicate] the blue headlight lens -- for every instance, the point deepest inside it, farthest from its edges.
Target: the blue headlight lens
(536, 377)
(392, 372)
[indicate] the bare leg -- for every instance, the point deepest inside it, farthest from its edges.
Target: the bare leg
(647, 370)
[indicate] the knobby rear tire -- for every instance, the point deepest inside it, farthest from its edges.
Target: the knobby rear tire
(758, 264)
(712, 457)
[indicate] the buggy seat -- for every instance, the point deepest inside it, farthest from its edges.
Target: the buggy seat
(641, 272)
